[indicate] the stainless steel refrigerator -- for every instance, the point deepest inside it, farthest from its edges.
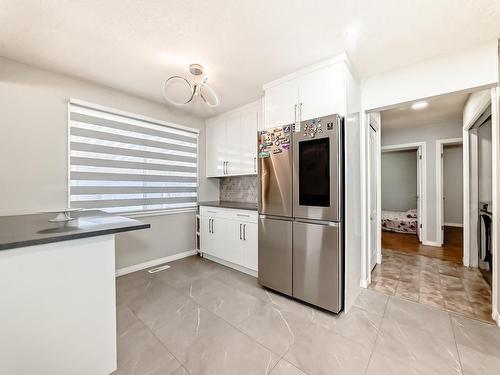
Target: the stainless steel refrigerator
(301, 211)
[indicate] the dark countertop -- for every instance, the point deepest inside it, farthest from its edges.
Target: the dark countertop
(228, 204)
(28, 230)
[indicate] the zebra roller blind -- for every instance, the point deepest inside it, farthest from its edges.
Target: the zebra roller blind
(123, 164)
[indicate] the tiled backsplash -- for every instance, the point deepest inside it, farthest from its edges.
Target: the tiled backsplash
(239, 189)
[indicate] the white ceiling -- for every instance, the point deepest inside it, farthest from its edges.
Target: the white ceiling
(133, 45)
(441, 110)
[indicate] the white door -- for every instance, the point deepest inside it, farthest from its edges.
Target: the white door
(442, 195)
(419, 194)
(216, 143)
(248, 142)
(250, 246)
(373, 197)
(232, 146)
(280, 104)
(322, 92)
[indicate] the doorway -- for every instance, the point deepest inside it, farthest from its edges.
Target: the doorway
(449, 195)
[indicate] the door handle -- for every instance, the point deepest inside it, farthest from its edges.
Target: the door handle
(240, 231)
(318, 222)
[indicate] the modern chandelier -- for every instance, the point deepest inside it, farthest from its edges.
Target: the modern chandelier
(196, 87)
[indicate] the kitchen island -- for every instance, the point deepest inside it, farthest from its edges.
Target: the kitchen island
(57, 293)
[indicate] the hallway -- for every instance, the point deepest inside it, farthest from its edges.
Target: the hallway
(440, 283)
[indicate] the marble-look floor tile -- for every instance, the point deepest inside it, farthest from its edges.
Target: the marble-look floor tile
(415, 315)
(427, 352)
(479, 336)
(286, 368)
(139, 351)
(274, 328)
(372, 301)
(381, 365)
(186, 271)
(158, 302)
(243, 282)
(384, 285)
(478, 363)
(130, 286)
(358, 325)
(229, 303)
(320, 351)
(206, 344)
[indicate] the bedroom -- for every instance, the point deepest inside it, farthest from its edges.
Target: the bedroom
(422, 208)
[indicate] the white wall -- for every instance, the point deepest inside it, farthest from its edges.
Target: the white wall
(428, 134)
(33, 154)
(399, 180)
(464, 70)
(453, 189)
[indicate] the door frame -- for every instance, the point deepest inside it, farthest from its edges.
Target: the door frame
(440, 143)
(422, 214)
(373, 120)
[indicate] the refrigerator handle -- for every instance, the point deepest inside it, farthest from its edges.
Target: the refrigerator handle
(318, 222)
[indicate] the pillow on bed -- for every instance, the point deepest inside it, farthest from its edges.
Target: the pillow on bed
(411, 214)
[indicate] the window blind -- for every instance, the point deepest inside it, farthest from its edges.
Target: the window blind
(118, 163)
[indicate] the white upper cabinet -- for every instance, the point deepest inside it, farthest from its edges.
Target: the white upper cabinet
(316, 91)
(232, 142)
(322, 92)
(280, 104)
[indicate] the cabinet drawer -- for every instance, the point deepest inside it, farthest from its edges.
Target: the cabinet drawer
(247, 216)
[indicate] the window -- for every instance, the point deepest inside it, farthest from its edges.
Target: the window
(122, 163)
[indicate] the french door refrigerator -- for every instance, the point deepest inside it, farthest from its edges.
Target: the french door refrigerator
(301, 211)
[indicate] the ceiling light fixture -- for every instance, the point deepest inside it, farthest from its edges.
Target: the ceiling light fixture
(197, 87)
(419, 105)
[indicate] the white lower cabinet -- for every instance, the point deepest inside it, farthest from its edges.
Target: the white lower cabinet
(230, 236)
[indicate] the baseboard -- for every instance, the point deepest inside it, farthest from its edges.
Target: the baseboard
(458, 225)
(496, 317)
(363, 283)
(153, 263)
(431, 243)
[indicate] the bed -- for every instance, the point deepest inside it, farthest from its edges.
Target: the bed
(400, 222)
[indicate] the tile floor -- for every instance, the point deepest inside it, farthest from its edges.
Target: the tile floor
(434, 282)
(199, 317)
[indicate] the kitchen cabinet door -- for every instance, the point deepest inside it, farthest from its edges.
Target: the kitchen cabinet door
(228, 239)
(232, 152)
(322, 92)
(215, 148)
(250, 246)
(207, 239)
(279, 104)
(248, 142)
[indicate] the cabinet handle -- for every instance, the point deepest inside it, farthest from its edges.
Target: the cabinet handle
(295, 113)
(243, 215)
(300, 111)
(244, 232)
(227, 167)
(213, 230)
(240, 231)
(223, 167)
(255, 164)
(209, 225)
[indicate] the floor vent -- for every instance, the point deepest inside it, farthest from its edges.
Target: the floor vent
(158, 269)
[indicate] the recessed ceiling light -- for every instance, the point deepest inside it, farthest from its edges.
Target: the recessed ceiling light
(419, 105)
